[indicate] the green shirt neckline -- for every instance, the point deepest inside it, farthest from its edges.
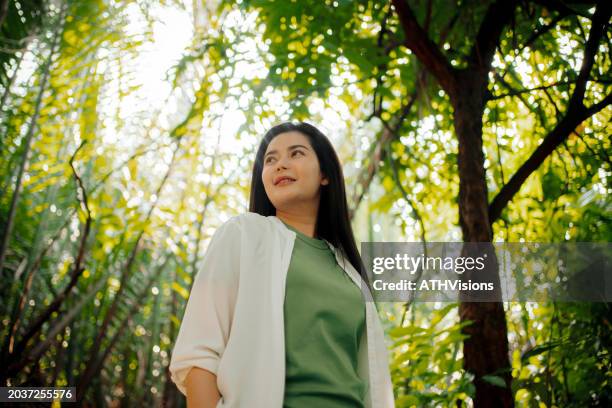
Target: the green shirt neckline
(315, 242)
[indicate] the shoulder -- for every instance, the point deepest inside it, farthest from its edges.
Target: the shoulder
(246, 230)
(247, 223)
(248, 219)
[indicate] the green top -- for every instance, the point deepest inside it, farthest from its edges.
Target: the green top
(324, 320)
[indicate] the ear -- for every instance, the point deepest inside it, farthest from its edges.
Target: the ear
(324, 181)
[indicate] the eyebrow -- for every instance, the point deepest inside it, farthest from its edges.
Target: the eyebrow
(289, 148)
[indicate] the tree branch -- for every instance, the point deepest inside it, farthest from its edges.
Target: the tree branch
(536, 35)
(378, 151)
(496, 18)
(425, 49)
(576, 113)
(516, 92)
(600, 20)
(543, 30)
(77, 269)
(562, 7)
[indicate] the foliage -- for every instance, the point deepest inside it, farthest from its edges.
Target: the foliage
(160, 172)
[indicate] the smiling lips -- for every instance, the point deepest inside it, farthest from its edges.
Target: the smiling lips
(282, 180)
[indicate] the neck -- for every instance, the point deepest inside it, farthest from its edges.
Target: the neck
(303, 222)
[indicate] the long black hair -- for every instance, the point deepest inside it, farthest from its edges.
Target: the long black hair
(333, 222)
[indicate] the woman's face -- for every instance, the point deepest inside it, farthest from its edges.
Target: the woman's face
(291, 175)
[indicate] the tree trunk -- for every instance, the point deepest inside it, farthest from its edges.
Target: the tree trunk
(486, 350)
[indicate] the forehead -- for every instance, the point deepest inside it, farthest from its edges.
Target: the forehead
(286, 139)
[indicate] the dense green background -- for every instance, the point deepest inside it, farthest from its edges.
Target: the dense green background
(112, 182)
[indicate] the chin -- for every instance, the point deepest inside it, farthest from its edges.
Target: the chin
(286, 201)
(283, 202)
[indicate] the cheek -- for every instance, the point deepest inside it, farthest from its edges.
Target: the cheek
(266, 178)
(311, 173)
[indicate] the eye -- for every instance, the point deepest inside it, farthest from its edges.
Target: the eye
(268, 159)
(297, 151)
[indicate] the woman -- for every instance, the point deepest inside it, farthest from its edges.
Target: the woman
(280, 315)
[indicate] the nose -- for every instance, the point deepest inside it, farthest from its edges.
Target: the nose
(280, 164)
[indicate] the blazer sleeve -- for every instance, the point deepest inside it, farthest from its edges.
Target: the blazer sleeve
(205, 328)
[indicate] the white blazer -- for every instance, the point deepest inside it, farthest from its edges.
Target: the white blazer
(233, 324)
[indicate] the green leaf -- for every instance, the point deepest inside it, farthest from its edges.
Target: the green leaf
(438, 315)
(180, 290)
(495, 380)
(405, 331)
(539, 349)
(552, 185)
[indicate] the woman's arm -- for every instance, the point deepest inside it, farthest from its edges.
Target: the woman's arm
(205, 327)
(202, 391)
